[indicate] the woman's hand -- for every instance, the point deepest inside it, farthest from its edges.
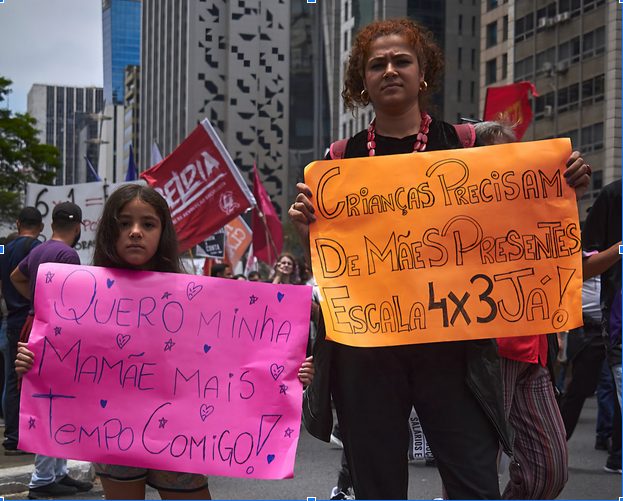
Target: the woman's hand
(578, 174)
(301, 213)
(25, 359)
(307, 371)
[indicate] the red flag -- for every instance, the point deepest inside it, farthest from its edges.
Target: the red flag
(511, 103)
(267, 232)
(202, 186)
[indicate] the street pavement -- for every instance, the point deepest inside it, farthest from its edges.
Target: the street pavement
(317, 464)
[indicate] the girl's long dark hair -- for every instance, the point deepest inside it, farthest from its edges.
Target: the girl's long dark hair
(166, 257)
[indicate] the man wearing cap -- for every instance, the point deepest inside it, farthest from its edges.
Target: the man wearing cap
(50, 478)
(29, 226)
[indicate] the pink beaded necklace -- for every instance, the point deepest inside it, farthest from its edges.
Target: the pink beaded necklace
(420, 140)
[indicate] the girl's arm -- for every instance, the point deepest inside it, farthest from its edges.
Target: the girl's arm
(306, 372)
(25, 359)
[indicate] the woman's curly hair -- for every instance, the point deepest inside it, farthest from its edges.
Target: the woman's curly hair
(430, 57)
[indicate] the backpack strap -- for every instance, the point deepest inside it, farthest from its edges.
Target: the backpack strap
(466, 133)
(337, 150)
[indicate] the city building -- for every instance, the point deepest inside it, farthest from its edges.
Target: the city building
(571, 51)
(225, 61)
(455, 27)
(132, 116)
(121, 30)
(62, 113)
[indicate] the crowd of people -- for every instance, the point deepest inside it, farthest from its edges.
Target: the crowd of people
(474, 399)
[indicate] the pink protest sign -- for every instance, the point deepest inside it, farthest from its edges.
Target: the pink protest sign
(165, 371)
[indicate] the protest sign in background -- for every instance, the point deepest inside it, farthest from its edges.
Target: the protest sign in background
(165, 371)
(90, 197)
(447, 245)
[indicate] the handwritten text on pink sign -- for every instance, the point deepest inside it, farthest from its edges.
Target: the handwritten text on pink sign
(165, 371)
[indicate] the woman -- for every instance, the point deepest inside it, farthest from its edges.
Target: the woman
(454, 386)
(286, 270)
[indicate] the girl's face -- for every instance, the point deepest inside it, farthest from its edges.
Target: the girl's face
(139, 233)
(285, 265)
(392, 73)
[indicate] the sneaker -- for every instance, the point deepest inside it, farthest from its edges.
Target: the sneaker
(78, 484)
(612, 469)
(54, 490)
(337, 493)
(16, 452)
(336, 437)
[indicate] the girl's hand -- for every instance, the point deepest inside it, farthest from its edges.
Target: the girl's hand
(578, 174)
(306, 372)
(25, 359)
(301, 213)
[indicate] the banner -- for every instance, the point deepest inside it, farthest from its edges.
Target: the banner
(89, 196)
(511, 103)
(202, 186)
(166, 371)
(213, 246)
(447, 245)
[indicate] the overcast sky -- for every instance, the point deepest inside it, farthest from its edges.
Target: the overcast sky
(50, 42)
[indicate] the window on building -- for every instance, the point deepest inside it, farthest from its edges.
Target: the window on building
(459, 88)
(491, 71)
(473, 59)
(346, 11)
(505, 28)
(460, 24)
(597, 179)
(492, 4)
(473, 26)
(492, 34)
(472, 92)
(459, 57)
(524, 27)
(504, 66)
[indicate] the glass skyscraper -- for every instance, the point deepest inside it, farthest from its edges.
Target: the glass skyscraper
(121, 21)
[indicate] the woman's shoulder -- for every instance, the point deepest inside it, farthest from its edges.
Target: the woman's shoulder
(444, 134)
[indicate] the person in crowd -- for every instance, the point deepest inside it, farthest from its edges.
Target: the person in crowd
(221, 270)
(286, 270)
(29, 226)
(587, 353)
(254, 276)
(136, 232)
(530, 395)
(601, 239)
(50, 478)
(239, 276)
(454, 386)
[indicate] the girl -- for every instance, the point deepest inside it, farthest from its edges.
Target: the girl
(136, 232)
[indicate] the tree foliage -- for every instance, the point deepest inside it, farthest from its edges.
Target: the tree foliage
(23, 158)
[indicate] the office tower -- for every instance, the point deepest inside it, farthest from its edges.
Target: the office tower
(571, 51)
(225, 61)
(121, 30)
(61, 113)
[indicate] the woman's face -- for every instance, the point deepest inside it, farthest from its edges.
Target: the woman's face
(392, 74)
(285, 265)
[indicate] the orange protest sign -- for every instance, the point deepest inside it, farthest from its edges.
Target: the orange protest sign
(447, 245)
(238, 239)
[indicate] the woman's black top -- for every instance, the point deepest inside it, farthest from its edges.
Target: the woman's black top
(441, 136)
